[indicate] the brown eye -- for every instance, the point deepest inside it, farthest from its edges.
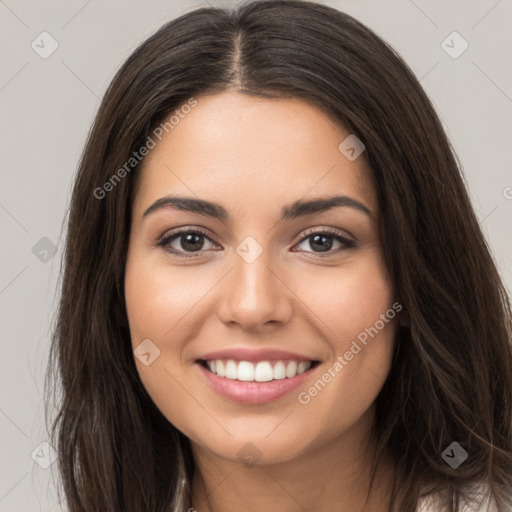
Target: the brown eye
(324, 240)
(185, 242)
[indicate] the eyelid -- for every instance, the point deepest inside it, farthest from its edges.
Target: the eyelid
(175, 234)
(324, 229)
(347, 242)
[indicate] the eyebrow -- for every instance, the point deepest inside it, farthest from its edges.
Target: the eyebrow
(297, 209)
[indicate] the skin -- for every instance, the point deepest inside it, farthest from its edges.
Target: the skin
(254, 156)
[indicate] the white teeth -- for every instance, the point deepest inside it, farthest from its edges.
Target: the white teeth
(231, 370)
(245, 371)
(291, 369)
(279, 370)
(303, 366)
(219, 368)
(263, 371)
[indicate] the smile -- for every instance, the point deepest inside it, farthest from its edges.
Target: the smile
(262, 371)
(255, 382)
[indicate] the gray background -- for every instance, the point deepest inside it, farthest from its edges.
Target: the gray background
(47, 106)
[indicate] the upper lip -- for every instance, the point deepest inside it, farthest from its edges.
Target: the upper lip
(250, 354)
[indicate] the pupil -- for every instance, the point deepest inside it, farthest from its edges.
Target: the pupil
(322, 238)
(190, 242)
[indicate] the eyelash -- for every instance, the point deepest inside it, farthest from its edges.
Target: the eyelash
(165, 241)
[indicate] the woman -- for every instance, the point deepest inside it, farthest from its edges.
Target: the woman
(276, 293)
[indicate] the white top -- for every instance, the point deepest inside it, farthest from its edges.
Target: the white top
(483, 502)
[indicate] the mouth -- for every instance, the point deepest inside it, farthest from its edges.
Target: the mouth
(260, 371)
(255, 382)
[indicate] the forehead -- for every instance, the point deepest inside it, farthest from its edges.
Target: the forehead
(247, 151)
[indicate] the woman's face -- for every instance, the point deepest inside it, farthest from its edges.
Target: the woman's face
(261, 291)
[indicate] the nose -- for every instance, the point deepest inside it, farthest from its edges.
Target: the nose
(255, 296)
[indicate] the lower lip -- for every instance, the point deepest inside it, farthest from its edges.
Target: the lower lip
(254, 392)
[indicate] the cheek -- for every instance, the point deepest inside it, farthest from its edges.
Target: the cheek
(158, 301)
(165, 307)
(358, 324)
(349, 299)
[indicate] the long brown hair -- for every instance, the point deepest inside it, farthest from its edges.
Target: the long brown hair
(451, 377)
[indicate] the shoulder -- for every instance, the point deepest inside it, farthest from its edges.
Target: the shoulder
(479, 500)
